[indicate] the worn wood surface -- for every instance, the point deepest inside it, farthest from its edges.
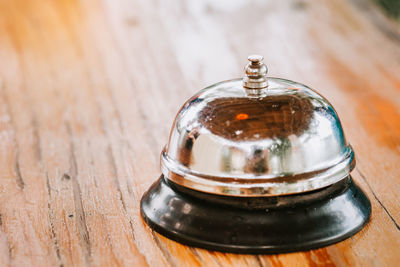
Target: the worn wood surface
(89, 89)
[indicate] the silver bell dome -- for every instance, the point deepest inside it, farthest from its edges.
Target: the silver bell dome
(256, 136)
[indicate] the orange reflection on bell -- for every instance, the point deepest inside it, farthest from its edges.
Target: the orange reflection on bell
(242, 116)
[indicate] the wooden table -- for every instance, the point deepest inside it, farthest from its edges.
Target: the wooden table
(89, 90)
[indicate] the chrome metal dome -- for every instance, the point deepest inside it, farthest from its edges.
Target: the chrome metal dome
(257, 136)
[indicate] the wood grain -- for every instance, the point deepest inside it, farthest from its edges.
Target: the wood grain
(89, 89)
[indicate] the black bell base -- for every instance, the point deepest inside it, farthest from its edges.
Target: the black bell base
(256, 225)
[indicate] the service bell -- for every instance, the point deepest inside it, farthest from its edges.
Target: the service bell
(256, 165)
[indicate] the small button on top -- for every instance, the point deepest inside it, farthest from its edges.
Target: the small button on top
(255, 58)
(255, 73)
